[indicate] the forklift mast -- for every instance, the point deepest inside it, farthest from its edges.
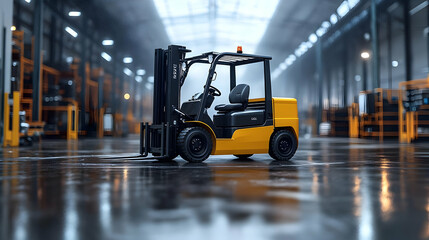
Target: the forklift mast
(166, 98)
(168, 68)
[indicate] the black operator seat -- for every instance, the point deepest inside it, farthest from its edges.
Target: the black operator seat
(238, 114)
(238, 98)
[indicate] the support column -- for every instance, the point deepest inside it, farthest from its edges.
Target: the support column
(364, 75)
(345, 74)
(389, 50)
(141, 87)
(6, 19)
(407, 40)
(319, 69)
(375, 45)
(100, 112)
(114, 84)
(427, 34)
(52, 41)
(37, 67)
(328, 85)
(18, 12)
(82, 73)
(2, 78)
(61, 36)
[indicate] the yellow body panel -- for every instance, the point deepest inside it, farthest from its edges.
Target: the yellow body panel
(245, 141)
(256, 100)
(285, 111)
(256, 140)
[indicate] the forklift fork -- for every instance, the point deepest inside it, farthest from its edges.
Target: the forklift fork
(153, 139)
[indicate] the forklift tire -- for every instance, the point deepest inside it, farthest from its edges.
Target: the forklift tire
(243, 156)
(283, 145)
(194, 144)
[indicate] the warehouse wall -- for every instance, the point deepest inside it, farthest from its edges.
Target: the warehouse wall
(6, 11)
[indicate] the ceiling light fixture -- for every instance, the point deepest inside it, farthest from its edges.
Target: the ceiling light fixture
(75, 13)
(365, 55)
(128, 72)
(128, 60)
(139, 79)
(333, 19)
(343, 9)
(71, 32)
(141, 72)
(313, 38)
(108, 42)
(106, 56)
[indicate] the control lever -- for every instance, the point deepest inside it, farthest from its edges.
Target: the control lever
(184, 115)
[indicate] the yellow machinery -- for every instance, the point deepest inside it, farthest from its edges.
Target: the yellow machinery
(378, 113)
(416, 113)
(69, 106)
(22, 70)
(72, 119)
(242, 127)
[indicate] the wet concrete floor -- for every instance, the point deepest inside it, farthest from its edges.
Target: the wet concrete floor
(332, 189)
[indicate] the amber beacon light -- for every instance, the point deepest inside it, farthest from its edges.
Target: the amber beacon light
(239, 49)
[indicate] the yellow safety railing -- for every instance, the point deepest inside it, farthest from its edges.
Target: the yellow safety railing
(72, 122)
(354, 120)
(11, 129)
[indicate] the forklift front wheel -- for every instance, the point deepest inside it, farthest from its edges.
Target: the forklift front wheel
(283, 145)
(194, 144)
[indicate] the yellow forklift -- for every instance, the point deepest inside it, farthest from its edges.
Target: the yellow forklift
(241, 127)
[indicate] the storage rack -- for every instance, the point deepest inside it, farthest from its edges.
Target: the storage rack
(339, 118)
(384, 121)
(22, 72)
(411, 121)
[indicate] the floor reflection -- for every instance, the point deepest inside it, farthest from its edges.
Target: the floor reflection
(333, 188)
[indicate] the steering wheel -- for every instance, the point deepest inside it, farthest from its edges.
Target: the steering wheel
(214, 91)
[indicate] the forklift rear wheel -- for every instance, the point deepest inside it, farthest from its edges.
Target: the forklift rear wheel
(283, 145)
(194, 144)
(243, 156)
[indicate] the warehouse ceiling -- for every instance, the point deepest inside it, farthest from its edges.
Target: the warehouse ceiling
(218, 25)
(292, 23)
(271, 27)
(143, 25)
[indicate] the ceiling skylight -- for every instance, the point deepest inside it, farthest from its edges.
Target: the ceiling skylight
(216, 25)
